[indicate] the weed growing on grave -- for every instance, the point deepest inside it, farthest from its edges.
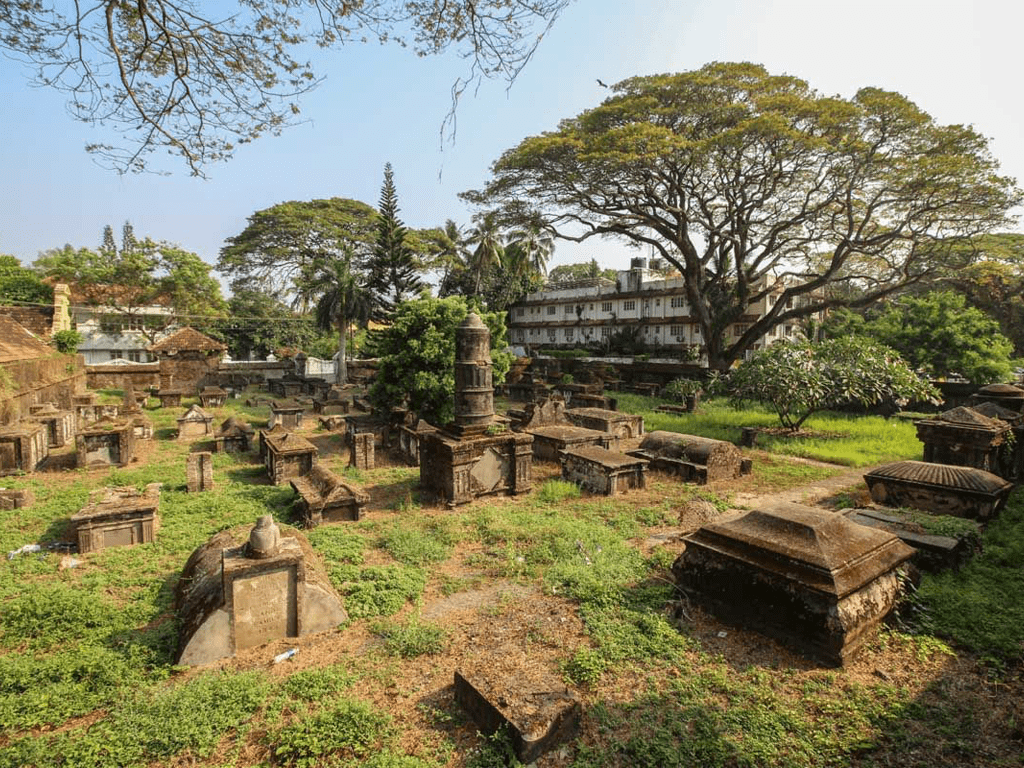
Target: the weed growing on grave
(979, 606)
(495, 751)
(555, 491)
(337, 545)
(349, 728)
(410, 639)
(585, 667)
(427, 541)
(318, 684)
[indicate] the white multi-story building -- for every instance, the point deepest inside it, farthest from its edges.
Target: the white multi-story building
(586, 311)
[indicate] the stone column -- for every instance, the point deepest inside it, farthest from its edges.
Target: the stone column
(474, 388)
(199, 471)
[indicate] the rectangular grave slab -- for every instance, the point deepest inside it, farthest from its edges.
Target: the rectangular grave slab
(23, 447)
(811, 579)
(625, 426)
(326, 498)
(60, 425)
(234, 436)
(117, 517)
(212, 397)
(602, 471)
(287, 415)
(538, 713)
(11, 498)
(170, 398)
(549, 442)
(362, 450)
(195, 424)
(963, 437)
(287, 455)
(941, 489)
(105, 443)
(456, 471)
(694, 459)
(931, 553)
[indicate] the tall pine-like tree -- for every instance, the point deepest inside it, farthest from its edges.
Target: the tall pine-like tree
(394, 274)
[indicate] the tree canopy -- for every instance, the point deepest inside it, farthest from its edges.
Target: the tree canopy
(197, 79)
(393, 272)
(21, 284)
(758, 188)
(583, 270)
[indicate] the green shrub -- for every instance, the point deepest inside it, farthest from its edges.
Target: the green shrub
(554, 491)
(349, 728)
(585, 667)
(410, 639)
(318, 684)
(418, 545)
(67, 341)
(382, 590)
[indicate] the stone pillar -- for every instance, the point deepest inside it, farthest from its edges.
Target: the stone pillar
(362, 450)
(199, 471)
(474, 388)
(61, 304)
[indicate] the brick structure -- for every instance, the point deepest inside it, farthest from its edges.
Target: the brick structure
(233, 595)
(15, 498)
(194, 424)
(188, 359)
(287, 455)
(963, 437)
(108, 442)
(170, 397)
(234, 436)
(940, 489)
(23, 448)
(60, 425)
(811, 579)
(361, 454)
(199, 472)
(326, 498)
(212, 397)
(117, 517)
(694, 459)
(602, 471)
(475, 455)
(288, 415)
(625, 426)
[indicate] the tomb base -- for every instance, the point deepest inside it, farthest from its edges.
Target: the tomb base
(457, 471)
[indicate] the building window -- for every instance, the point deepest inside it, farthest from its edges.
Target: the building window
(629, 306)
(789, 330)
(568, 334)
(116, 354)
(740, 330)
(552, 309)
(675, 330)
(606, 306)
(551, 334)
(678, 301)
(606, 332)
(520, 311)
(568, 309)
(133, 355)
(657, 302)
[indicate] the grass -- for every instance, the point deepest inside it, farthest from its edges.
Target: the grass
(855, 441)
(87, 675)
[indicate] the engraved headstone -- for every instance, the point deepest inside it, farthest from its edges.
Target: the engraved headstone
(199, 471)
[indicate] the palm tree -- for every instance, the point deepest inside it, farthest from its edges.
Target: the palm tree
(489, 251)
(533, 244)
(453, 256)
(340, 299)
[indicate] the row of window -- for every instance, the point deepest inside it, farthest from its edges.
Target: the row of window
(569, 334)
(134, 355)
(628, 305)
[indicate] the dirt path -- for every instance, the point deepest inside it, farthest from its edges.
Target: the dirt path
(807, 494)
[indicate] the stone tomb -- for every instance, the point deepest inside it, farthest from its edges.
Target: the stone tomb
(287, 455)
(287, 386)
(932, 553)
(234, 595)
(941, 489)
(23, 447)
(694, 459)
(535, 708)
(195, 423)
(475, 455)
(411, 437)
(234, 436)
(1011, 459)
(288, 415)
(88, 411)
(811, 579)
(599, 470)
(108, 442)
(60, 425)
(15, 498)
(326, 498)
(117, 517)
(964, 437)
(199, 472)
(212, 397)
(1006, 395)
(170, 398)
(624, 426)
(550, 441)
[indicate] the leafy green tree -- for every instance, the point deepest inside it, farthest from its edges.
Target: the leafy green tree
(417, 357)
(757, 188)
(939, 334)
(282, 245)
(21, 284)
(340, 300)
(583, 270)
(258, 324)
(799, 378)
(393, 272)
(66, 341)
(181, 77)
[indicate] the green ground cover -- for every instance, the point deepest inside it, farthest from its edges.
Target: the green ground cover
(87, 678)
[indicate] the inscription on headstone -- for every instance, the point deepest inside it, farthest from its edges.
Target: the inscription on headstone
(265, 607)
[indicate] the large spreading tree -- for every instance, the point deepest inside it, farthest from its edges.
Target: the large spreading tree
(756, 187)
(197, 79)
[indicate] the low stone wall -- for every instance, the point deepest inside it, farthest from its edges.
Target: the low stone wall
(141, 376)
(45, 380)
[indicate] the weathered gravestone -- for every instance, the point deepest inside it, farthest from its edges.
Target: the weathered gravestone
(625, 426)
(212, 397)
(234, 436)
(60, 425)
(234, 595)
(963, 437)
(15, 498)
(199, 472)
(287, 455)
(602, 471)
(107, 442)
(940, 489)
(117, 517)
(694, 459)
(23, 447)
(362, 450)
(326, 498)
(195, 423)
(813, 580)
(288, 415)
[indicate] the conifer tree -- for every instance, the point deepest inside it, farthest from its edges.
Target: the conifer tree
(394, 274)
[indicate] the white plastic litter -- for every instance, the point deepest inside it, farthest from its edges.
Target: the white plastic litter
(286, 655)
(23, 550)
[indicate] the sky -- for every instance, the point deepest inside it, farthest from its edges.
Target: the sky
(958, 61)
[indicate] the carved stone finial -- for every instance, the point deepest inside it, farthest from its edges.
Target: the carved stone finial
(264, 538)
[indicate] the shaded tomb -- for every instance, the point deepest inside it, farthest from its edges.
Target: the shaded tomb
(234, 436)
(288, 415)
(964, 437)
(212, 397)
(932, 552)
(234, 594)
(475, 455)
(550, 441)
(199, 472)
(602, 471)
(411, 437)
(694, 459)
(326, 498)
(195, 423)
(287, 455)
(361, 454)
(170, 397)
(15, 498)
(940, 489)
(60, 425)
(1006, 395)
(625, 426)
(811, 579)
(23, 447)
(533, 706)
(108, 442)
(117, 517)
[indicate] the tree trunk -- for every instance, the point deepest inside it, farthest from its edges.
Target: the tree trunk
(341, 378)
